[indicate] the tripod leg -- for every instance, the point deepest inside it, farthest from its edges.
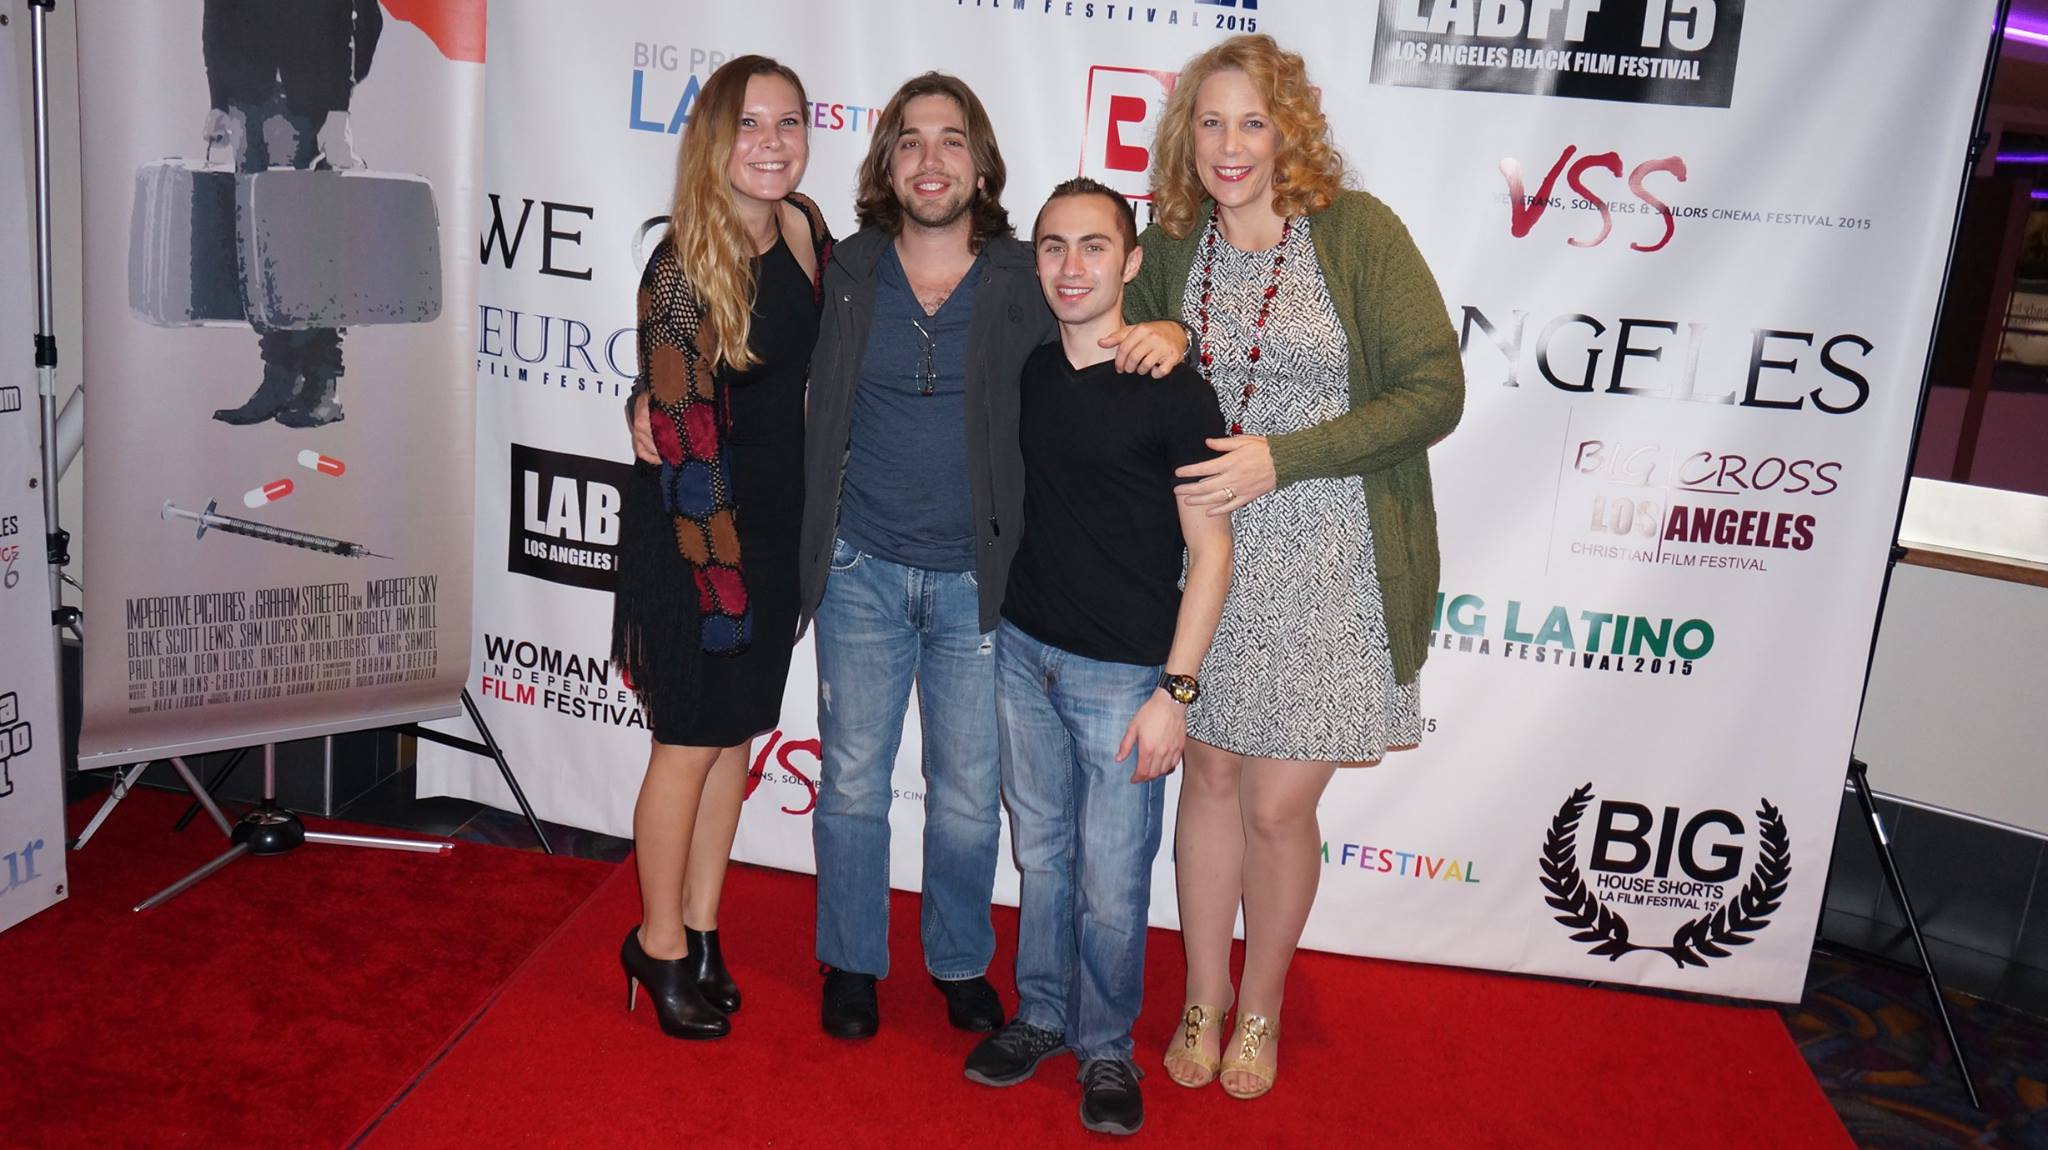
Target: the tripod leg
(122, 784)
(191, 880)
(505, 769)
(1859, 776)
(212, 785)
(427, 848)
(200, 796)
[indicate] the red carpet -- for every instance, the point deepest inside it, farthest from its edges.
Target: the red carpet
(1374, 1053)
(279, 1003)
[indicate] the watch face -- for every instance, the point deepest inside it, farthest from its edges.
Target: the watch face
(1183, 689)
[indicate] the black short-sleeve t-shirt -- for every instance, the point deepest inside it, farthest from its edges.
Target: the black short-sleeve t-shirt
(1098, 571)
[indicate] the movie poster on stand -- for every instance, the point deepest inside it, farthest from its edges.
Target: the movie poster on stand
(32, 875)
(1691, 278)
(279, 310)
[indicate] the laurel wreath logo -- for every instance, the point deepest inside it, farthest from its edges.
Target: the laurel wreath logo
(1732, 923)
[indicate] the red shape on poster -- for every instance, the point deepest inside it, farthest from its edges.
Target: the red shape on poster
(455, 26)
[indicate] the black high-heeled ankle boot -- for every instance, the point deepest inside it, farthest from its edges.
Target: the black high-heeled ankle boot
(707, 966)
(672, 984)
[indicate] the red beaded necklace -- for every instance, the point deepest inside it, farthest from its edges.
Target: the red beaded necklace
(1251, 354)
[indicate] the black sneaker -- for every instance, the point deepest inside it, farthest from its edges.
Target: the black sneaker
(849, 1009)
(1110, 1102)
(1011, 1054)
(971, 1003)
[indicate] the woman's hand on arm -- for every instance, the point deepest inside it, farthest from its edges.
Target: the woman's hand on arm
(1240, 473)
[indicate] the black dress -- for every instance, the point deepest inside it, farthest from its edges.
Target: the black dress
(724, 700)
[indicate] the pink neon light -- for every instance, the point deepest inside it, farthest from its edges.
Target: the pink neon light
(2030, 35)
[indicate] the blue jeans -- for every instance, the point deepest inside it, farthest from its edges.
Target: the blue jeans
(881, 626)
(1084, 836)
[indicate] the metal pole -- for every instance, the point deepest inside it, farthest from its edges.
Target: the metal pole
(1979, 144)
(220, 776)
(1858, 779)
(1858, 775)
(46, 342)
(505, 769)
(200, 796)
(123, 783)
(191, 880)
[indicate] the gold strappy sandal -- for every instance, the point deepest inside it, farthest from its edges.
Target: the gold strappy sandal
(1250, 1056)
(1197, 1023)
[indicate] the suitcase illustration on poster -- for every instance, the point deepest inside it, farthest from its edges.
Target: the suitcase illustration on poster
(337, 248)
(182, 266)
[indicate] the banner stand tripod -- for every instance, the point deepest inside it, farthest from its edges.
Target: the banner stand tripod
(489, 749)
(271, 830)
(1858, 779)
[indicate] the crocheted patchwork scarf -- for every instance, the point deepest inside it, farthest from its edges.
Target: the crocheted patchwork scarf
(688, 414)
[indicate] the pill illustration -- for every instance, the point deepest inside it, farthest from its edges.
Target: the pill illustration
(324, 464)
(270, 492)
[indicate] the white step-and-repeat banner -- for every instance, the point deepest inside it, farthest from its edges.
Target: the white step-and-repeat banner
(31, 741)
(1693, 263)
(279, 297)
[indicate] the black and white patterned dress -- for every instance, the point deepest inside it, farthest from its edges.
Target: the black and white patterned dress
(1300, 667)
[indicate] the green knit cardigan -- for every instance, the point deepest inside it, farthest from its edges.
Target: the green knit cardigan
(1407, 392)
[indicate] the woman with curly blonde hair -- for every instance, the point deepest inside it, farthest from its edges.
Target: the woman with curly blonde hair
(1329, 347)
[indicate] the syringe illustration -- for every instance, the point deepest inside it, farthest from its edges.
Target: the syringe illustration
(266, 532)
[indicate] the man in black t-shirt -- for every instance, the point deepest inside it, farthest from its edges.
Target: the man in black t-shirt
(1096, 657)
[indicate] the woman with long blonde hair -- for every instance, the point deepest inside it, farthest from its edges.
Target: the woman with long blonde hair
(705, 610)
(1327, 343)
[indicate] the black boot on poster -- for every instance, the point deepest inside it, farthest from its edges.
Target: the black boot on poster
(707, 966)
(314, 405)
(671, 983)
(271, 396)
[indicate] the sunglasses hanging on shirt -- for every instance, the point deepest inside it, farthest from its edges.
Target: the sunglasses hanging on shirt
(928, 378)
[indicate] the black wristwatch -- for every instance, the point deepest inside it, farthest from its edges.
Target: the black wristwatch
(1182, 689)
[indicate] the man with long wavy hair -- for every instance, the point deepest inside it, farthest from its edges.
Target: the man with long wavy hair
(914, 490)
